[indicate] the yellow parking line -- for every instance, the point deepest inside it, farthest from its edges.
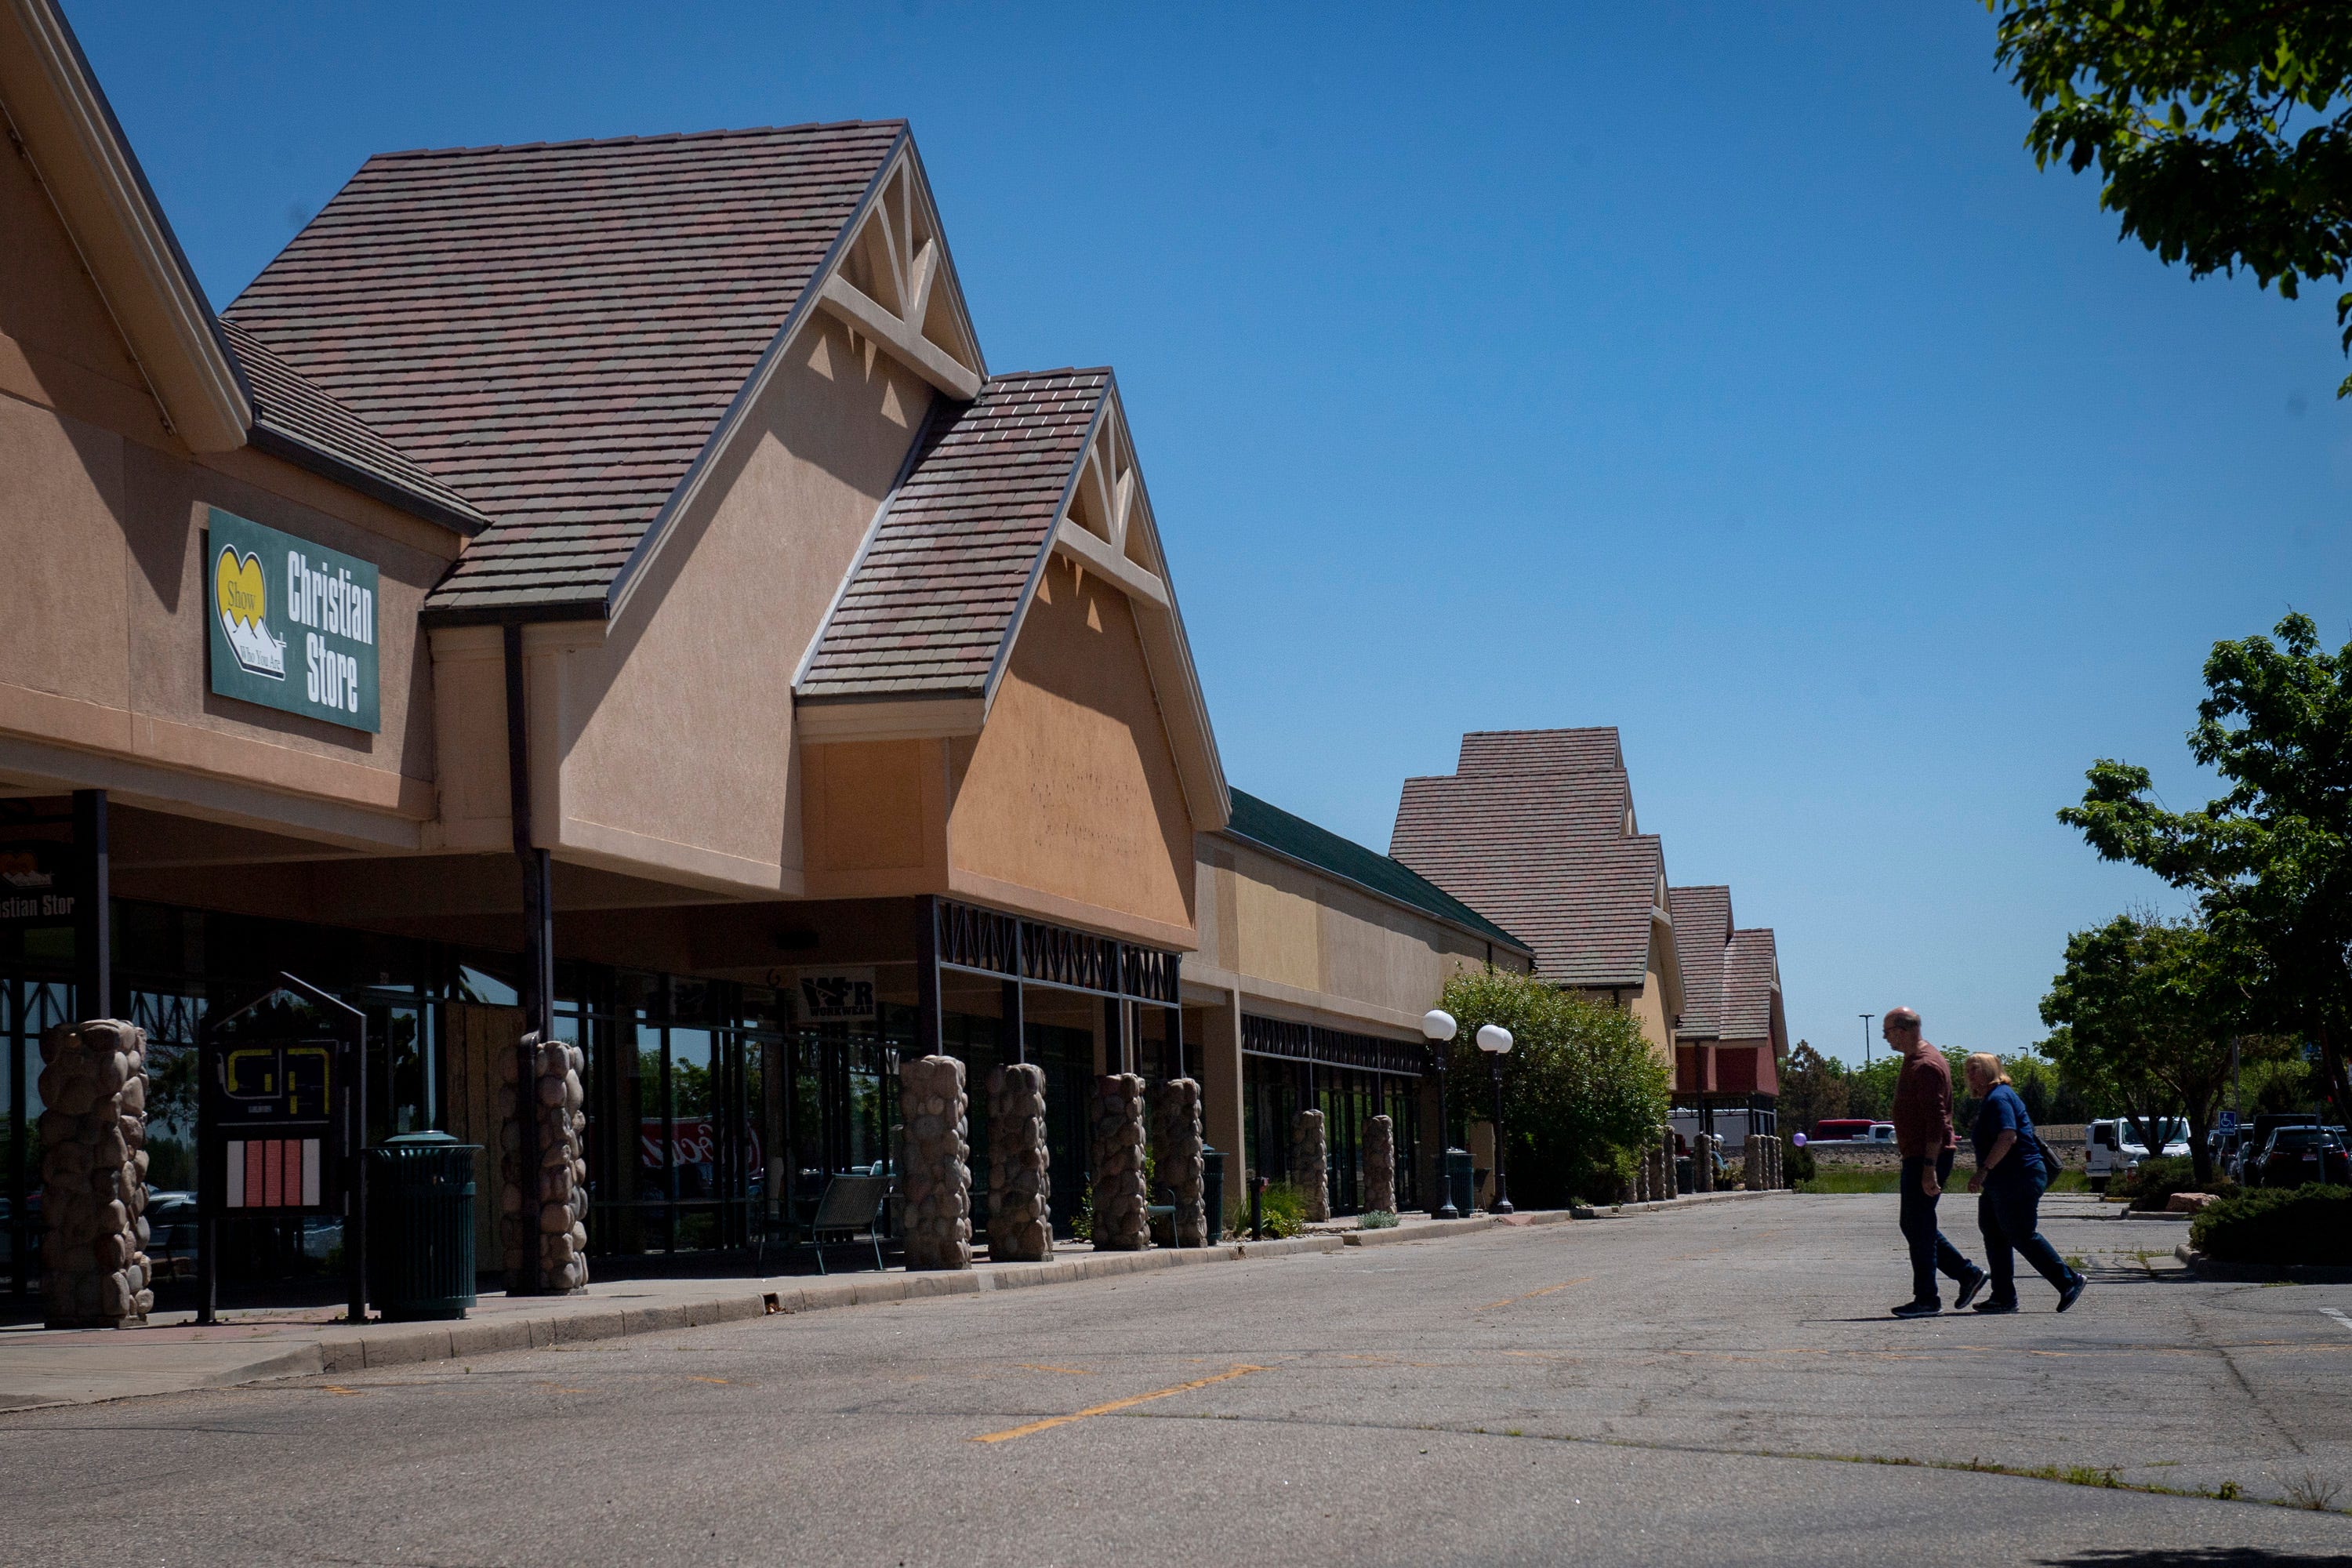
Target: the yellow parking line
(1050, 1422)
(1038, 1366)
(1533, 1294)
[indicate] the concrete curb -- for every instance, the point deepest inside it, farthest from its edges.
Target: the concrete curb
(407, 1344)
(576, 1322)
(2205, 1267)
(1688, 1200)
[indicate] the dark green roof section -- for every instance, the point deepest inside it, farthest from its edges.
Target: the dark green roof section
(1274, 828)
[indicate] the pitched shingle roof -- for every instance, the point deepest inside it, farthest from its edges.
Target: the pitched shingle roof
(1594, 750)
(1702, 931)
(1274, 828)
(1546, 852)
(295, 420)
(1751, 973)
(929, 605)
(555, 331)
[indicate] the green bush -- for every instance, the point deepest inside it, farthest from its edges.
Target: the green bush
(1583, 1088)
(1285, 1208)
(2155, 1179)
(1797, 1164)
(2308, 1225)
(1376, 1219)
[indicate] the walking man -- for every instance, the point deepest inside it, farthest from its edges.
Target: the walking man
(1923, 1135)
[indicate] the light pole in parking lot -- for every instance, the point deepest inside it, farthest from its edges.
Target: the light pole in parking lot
(1496, 1041)
(1437, 1027)
(1865, 1018)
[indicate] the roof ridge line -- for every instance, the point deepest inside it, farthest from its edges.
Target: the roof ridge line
(713, 133)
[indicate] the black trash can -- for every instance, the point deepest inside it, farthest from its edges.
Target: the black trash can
(1212, 1191)
(1461, 1178)
(421, 1227)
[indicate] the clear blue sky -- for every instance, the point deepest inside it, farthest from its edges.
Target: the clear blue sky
(1730, 378)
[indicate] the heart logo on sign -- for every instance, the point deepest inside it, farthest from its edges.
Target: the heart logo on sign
(241, 599)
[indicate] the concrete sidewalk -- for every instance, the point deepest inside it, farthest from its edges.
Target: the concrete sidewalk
(45, 1367)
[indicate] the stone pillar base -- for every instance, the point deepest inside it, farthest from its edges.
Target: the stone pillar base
(1379, 1164)
(1121, 1223)
(562, 1178)
(94, 1268)
(1020, 1166)
(937, 1173)
(1310, 1163)
(1176, 1116)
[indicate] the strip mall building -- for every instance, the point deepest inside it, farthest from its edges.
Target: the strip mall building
(605, 584)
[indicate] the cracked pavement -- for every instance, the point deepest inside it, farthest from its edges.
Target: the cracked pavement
(1720, 1382)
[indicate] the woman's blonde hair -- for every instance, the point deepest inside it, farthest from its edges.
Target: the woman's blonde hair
(1986, 1063)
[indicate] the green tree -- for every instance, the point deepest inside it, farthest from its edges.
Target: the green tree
(2221, 129)
(1583, 1088)
(2271, 859)
(2148, 1006)
(1812, 1090)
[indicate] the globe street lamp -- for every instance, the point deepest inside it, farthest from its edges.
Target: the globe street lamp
(1437, 1026)
(1496, 1041)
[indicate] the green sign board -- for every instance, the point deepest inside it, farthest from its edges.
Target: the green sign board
(293, 624)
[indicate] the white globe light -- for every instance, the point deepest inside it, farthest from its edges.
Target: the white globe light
(1437, 1023)
(1800, 1140)
(1495, 1037)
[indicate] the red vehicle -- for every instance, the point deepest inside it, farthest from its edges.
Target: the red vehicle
(1841, 1129)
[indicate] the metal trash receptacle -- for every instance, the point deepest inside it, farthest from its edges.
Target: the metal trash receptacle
(421, 1227)
(1461, 1178)
(1212, 1191)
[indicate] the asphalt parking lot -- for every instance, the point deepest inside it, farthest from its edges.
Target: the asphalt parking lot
(1709, 1385)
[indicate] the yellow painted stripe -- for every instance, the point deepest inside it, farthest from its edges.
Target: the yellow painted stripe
(1052, 1421)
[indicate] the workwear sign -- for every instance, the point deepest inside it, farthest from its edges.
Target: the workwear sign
(293, 624)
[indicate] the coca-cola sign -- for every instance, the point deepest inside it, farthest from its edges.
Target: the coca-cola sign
(694, 1139)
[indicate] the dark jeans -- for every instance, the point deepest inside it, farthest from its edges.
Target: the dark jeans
(2007, 1213)
(1930, 1250)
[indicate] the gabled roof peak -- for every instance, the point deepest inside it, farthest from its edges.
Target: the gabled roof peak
(655, 139)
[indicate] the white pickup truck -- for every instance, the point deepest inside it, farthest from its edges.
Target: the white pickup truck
(2111, 1148)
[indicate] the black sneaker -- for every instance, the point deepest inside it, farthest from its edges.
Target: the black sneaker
(1918, 1309)
(1997, 1305)
(1969, 1288)
(2071, 1293)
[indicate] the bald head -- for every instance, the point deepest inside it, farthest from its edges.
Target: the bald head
(1900, 1029)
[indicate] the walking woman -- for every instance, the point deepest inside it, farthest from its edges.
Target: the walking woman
(2010, 1175)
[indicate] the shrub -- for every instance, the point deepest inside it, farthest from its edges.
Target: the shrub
(2309, 1224)
(1376, 1219)
(1583, 1088)
(2155, 1179)
(1285, 1208)
(1797, 1164)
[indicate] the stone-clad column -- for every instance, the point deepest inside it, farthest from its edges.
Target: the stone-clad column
(1310, 1163)
(1702, 1163)
(1177, 1135)
(1662, 1146)
(95, 1273)
(932, 1101)
(1020, 1166)
(1121, 1223)
(1379, 1164)
(555, 1099)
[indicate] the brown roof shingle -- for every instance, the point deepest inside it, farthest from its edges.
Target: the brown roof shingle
(1751, 974)
(301, 422)
(929, 606)
(1702, 931)
(1587, 750)
(555, 331)
(1546, 853)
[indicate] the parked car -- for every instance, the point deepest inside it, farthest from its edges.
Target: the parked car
(1841, 1128)
(1879, 1132)
(2112, 1147)
(2298, 1155)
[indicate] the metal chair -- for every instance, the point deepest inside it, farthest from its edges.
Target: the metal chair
(850, 1203)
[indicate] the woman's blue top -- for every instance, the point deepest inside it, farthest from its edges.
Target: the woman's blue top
(2003, 1112)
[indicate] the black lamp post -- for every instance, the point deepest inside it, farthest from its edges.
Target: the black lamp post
(1437, 1027)
(1496, 1041)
